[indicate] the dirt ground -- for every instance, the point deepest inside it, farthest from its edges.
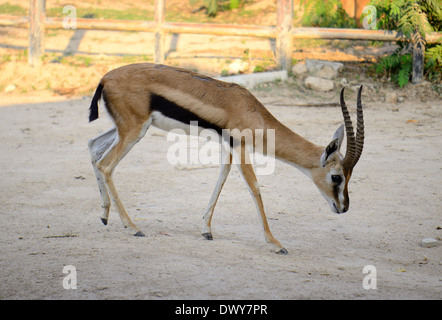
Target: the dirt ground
(50, 203)
(50, 214)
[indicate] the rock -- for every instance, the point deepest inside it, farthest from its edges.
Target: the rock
(10, 88)
(253, 79)
(327, 72)
(391, 97)
(343, 82)
(315, 66)
(299, 69)
(319, 84)
(429, 242)
(355, 88)
(238, 66)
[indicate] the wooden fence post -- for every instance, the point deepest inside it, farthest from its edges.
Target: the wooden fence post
(284, 40)
(417, 74)
(160, 19)
(37, 16)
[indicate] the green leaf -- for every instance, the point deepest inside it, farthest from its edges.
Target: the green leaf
(403, 77)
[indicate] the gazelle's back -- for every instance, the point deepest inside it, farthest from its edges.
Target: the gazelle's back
(181, 95)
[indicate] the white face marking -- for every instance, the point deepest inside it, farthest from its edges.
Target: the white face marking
(333, 193)
(340, 203)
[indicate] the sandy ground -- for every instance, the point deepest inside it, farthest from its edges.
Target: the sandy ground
(50, 208)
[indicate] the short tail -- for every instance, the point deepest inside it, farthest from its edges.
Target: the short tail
(93, 109)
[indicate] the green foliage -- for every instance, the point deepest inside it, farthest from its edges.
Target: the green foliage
(214, 6)
(326, 14)
(259, 68)
(414, 19)
(409, 16)
(13, 9)
(211, 7)
(397, 67)
(234, 4)
(433, 63)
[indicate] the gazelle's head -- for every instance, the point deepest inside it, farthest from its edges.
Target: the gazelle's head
(335, 170)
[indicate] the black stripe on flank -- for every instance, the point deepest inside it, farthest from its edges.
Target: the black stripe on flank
(172, 110)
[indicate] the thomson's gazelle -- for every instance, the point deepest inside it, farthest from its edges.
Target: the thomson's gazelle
(140, 95)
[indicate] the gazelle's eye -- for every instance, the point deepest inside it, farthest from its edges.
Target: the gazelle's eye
(336, 179)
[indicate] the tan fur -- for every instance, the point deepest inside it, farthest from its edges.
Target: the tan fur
(127, 93)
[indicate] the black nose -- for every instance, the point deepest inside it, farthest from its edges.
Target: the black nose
(344, 209)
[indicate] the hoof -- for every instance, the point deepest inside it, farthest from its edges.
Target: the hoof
(282, 251)
(139, 234)
(208, 236)
(104, 221)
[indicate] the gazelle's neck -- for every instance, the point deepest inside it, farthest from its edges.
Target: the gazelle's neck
(295, 150)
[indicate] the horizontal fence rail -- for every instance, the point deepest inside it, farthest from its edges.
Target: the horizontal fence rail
(218, 29)
(356, 34)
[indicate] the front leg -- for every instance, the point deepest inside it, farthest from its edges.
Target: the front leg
(242, 158)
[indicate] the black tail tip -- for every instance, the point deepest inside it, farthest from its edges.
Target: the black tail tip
(93, 115)
(94, 103)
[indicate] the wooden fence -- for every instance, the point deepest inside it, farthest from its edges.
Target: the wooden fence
(284, 32)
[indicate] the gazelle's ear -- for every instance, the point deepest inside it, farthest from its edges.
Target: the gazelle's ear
(339, 134)
(333, 146)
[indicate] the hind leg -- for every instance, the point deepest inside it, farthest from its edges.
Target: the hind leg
(97, 147)
(225, 169)
(120, 146)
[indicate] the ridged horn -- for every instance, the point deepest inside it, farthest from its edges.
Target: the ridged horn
(359, 129)
(354, 144)
(350, 154)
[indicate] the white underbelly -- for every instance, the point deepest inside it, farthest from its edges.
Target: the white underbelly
(169, 124)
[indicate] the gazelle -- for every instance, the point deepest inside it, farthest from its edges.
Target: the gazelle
(140, 95)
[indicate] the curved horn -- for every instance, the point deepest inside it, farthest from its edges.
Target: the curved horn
(359, 129)
(350, 154)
